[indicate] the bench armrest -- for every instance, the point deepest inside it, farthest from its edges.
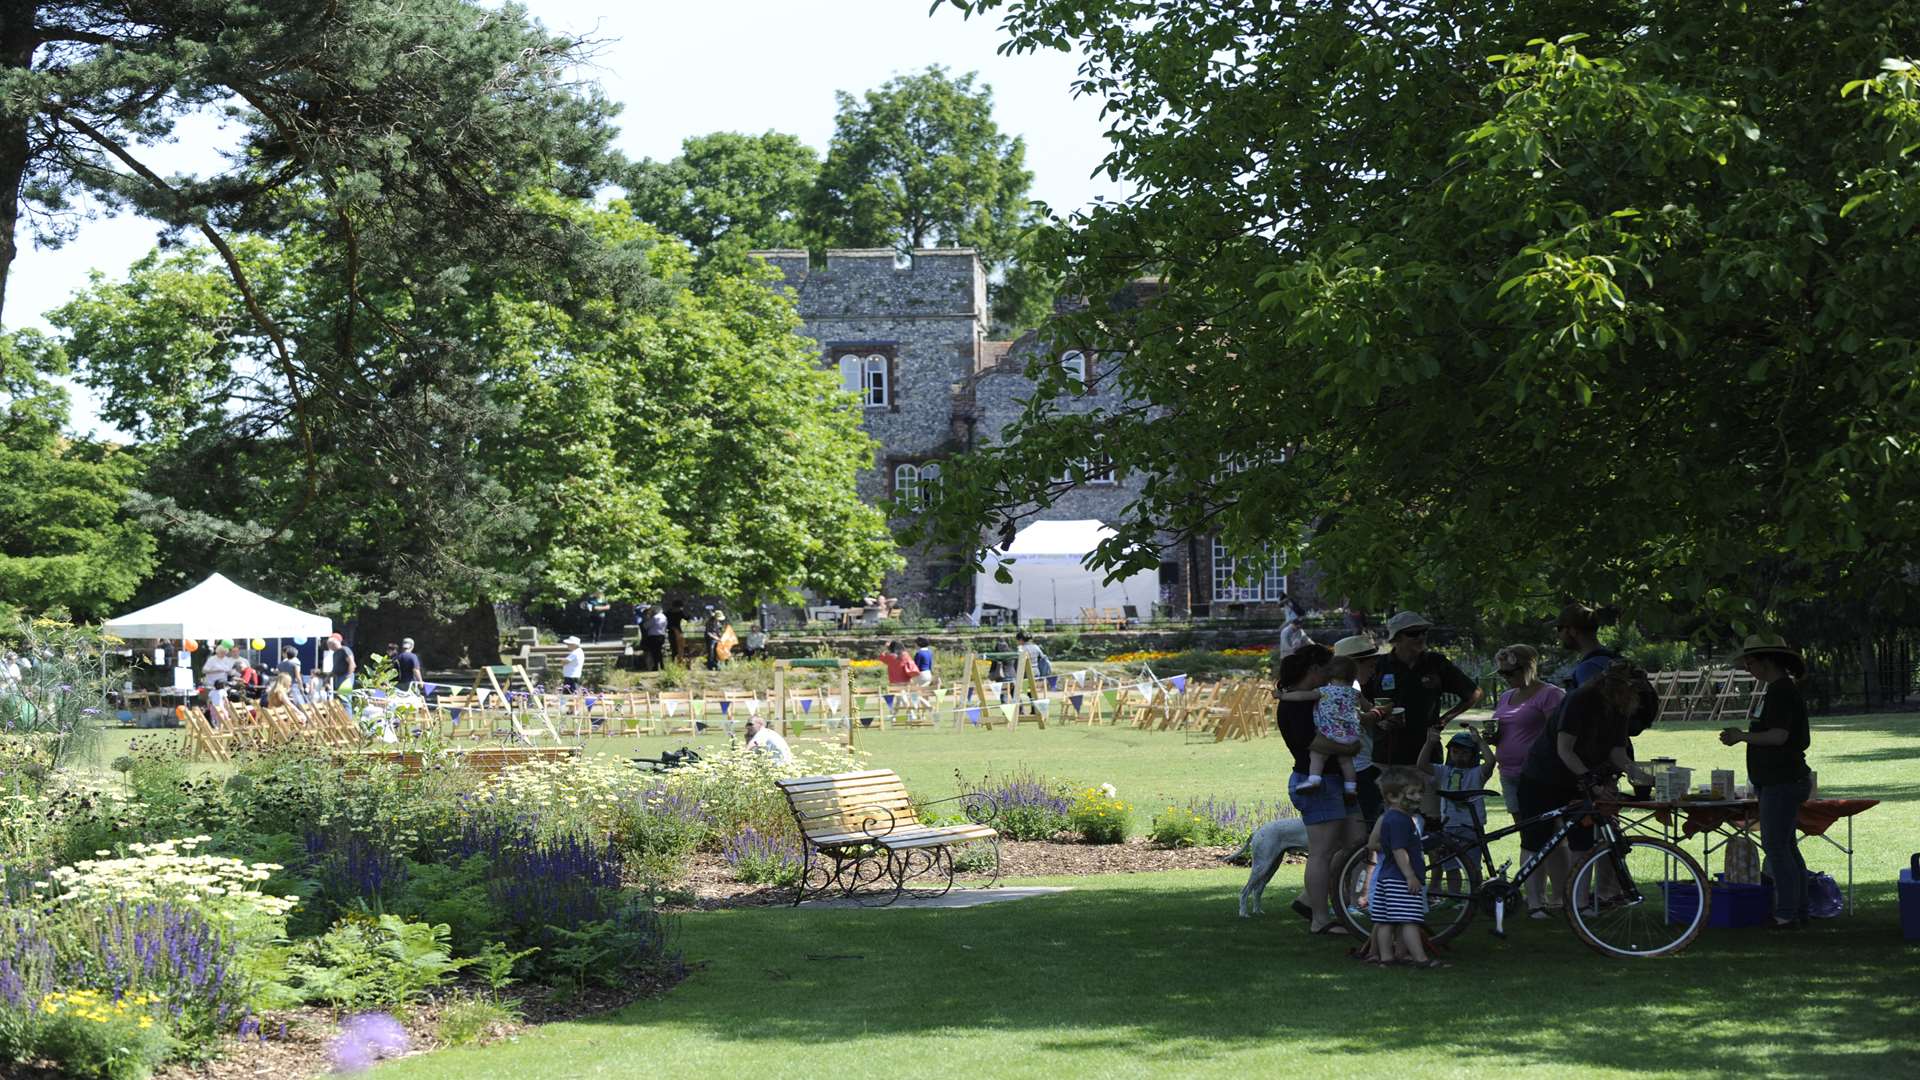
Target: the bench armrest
(979, 807)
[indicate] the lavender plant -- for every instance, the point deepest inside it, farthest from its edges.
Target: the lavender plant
(759, 858)
(1029, 807)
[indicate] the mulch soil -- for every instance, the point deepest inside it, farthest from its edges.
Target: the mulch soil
(298, 1042)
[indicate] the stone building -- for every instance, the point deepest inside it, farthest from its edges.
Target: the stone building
(909, 338)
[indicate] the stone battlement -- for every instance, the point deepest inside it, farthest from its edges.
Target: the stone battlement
(869, 281)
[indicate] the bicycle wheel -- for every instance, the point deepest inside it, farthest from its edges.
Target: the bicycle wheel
(1638, 897)
(1448, 911)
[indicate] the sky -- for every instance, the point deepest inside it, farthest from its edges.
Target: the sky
(684, 69)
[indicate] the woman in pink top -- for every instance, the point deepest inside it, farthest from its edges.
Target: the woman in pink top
(1519, 717)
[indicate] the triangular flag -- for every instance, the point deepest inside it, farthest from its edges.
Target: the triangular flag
(1180, 684)
(973, 715)
(889, 698)
(725, 707)
(1078, 701)
(1110, 699)
(1044, 703)
(429, 688)
(673, 708)
(1006, 709)
(806, 704)
(833, 704)
(1146, 691)
(1080, 677)
(753, 706)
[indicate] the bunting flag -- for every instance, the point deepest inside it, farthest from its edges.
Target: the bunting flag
(1080, 677)
(429, 689)
(1180, 684)
(1078, 701)
(1006, 710)
(1146, 691)
(1053, 682)
(806, 704)
(673, 709)
(753, 706)
(725, 706)
(1044, 704)
(889, 698)
(1110, 699)
(973, 715)
(993, 689)
(833, 704)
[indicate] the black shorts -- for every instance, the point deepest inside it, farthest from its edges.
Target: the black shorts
(1537, 798)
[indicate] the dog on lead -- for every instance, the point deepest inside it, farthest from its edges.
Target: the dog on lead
(1264, 849)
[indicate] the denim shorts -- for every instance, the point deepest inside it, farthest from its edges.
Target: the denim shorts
(1317, 807)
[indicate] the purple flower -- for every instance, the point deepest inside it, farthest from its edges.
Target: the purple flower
(365, 1039)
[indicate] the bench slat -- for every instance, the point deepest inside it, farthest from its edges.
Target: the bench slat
(808, 781)
(943, 835)
(879, 796)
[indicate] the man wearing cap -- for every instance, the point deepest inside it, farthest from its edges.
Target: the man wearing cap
(574, 665)
(1777, 738)
(1412, 678)
(340, 672)
(406, 664)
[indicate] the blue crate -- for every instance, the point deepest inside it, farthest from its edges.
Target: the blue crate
(1910, 901)
(1733, 907)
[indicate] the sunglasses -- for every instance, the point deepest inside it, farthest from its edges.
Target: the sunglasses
(1413, 633)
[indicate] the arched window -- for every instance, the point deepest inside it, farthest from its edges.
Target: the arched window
(878, 391)
(929, 483)
(906, 484)
(865, 377)
(1074, 365)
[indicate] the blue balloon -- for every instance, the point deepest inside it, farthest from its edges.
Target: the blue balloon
(299, 641)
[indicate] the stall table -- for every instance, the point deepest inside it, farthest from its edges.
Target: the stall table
(1718, 821)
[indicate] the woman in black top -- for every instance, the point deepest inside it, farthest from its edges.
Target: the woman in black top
(1589, 733)
(1777, 740)
(1332, 826)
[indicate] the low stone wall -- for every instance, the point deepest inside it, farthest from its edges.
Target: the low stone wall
(1090, 642)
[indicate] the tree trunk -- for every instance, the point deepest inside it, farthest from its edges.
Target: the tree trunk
(17, 37)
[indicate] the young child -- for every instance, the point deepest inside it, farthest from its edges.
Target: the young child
(1397, 909)
(1336, 723)
(1467, 768)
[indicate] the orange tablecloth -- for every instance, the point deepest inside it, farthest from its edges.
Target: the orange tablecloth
(1816, 815)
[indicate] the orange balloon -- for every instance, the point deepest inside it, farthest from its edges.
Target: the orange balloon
(190, 645)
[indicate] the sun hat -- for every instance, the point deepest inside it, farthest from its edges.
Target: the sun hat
(570, 640)
(1775, 646)
(1405, 621)
(1461, 738)
(1357, 647)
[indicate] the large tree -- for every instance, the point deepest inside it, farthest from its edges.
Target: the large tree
(66, 540)
(919, 162)
(1460, 311)
(728, 190)
(685, 442)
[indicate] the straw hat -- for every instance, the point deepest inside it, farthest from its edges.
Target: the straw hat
(570, 641)
(1774, 647)
(1357, 647)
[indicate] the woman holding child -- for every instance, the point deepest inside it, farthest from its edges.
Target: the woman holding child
(1317, 705)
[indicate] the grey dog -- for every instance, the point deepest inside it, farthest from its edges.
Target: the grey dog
(1265, 848)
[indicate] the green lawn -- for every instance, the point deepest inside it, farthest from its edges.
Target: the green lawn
(1154, 975)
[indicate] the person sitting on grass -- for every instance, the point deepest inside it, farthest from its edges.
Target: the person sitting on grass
(1399, 912)
(765, 740)
(1465, 770)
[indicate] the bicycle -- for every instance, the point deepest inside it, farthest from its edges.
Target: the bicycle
(1620, 899)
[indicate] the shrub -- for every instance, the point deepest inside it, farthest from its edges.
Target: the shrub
(663, 829)
(1177, 827)
(225, 890)
(630, 939)
(91, 1034)
(380, 962)
(590, 795)
(1228, 823)
(736, 788)
(1028, 807)
(1098, 816)
(763, 859)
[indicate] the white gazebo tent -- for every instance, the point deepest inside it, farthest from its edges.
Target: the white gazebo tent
(1050, 578)
(218, 608)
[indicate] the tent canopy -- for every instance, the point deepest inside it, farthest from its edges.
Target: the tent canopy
(1047, 561)
(218, 608)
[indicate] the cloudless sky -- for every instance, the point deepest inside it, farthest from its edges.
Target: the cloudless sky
(687, 67)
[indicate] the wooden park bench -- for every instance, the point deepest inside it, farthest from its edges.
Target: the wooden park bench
(861, 836)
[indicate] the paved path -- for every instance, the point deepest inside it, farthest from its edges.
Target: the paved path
(958, 898)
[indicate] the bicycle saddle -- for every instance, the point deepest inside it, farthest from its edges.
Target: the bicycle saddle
(1464, 796)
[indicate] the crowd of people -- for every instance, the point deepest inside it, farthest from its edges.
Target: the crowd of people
(1366, 731)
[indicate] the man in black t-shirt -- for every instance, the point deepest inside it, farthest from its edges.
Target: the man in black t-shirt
(406, 665)
(1413, 678)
